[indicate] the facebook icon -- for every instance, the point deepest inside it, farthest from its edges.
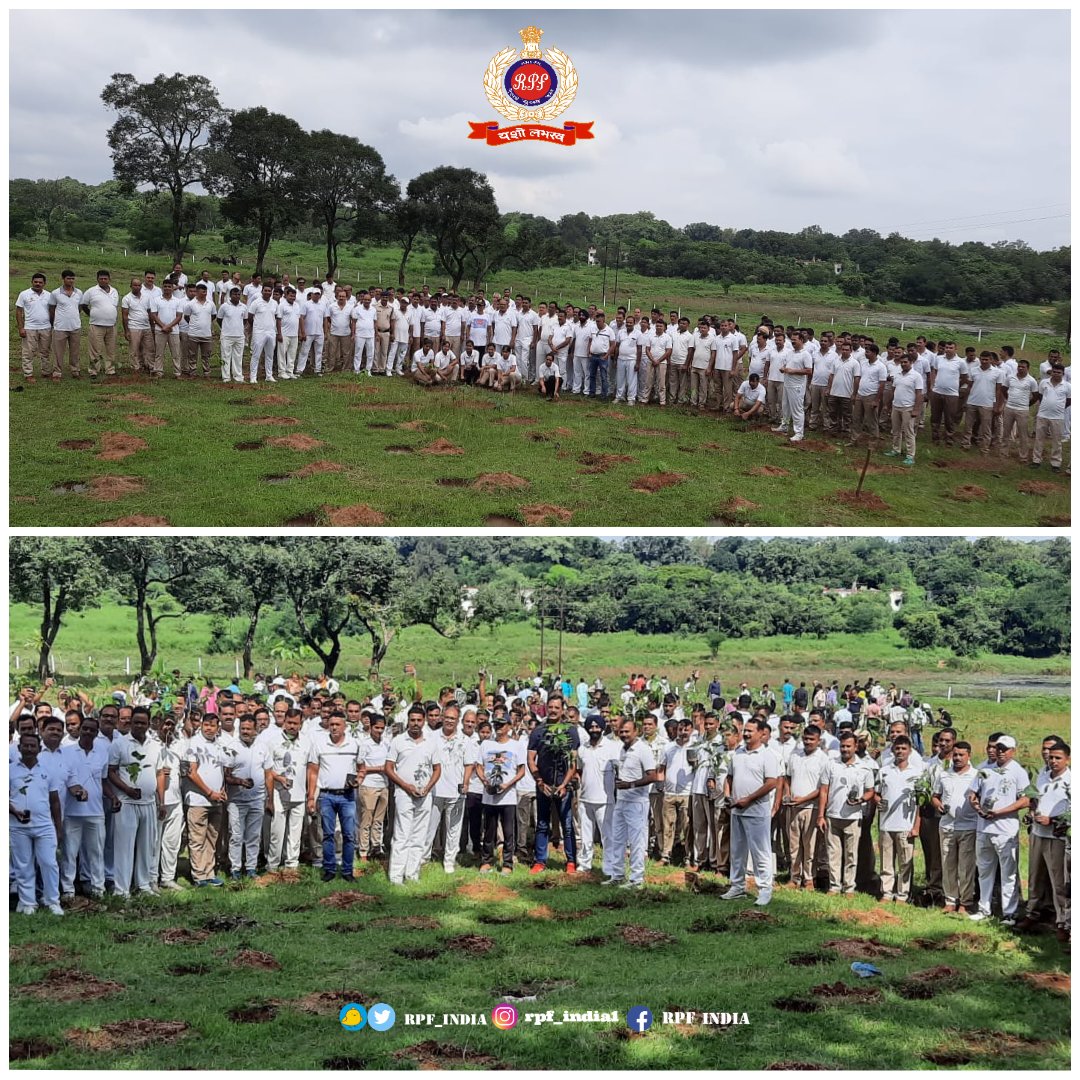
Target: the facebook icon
(639, 1019)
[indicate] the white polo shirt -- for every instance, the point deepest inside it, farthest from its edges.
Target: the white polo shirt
(749, 770)
(678, 774)
(138, 309)
(453, 755)
(947, 379)
(1054, 398)
(35, 308)
(704, 347)
(634, 762)
(984, 386)
(899, 807)
(289, 314)
(200, 319)
(953, 788)
(807, 772)
(504, 323)
(336, 761)
(996, 789)
(905, 388)
(596, 776)
(340, 319)
(778, 358)
(211, 759)
(167, 310)
(232, 316)
(264, 316)
(843, 780)
(751, 394)
(364, 317)
(67, 309)
(1054, 800)
(104, 305)
(872, 375)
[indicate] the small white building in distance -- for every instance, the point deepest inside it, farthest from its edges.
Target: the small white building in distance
(896, 596)
(592, 256)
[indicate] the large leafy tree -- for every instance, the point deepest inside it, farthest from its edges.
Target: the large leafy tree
(145, 570)
(457, 208)
(347, 188)
(253, 159)
(56, 575)
(160, 135)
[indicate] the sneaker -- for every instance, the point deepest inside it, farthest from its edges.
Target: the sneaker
(891, 453)
(612, 881)
(795, 438)
(25, 909)
(252, 379)
(537, 868)
(763, 897)
(200, 884)
(734, 893)
(1036, 464)
(216, 882)
(571, 868)
(630, 884)
(235, 875)
(348, 877)
(328, 875)
(172, 886)
(270, 378)
(486, 868)
(55, 909)
(979, 916)
(908, 461)
(97, 894)
(779, 430)
(251, 873)
(1010, 921)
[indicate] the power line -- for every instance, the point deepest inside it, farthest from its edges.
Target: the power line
(997, 224)
(989, 213)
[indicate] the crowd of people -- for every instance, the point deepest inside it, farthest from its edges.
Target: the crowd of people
(842, 384)
(767, 790)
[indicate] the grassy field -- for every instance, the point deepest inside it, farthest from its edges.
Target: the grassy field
(560, 941)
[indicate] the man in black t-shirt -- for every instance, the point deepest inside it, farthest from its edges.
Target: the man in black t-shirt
(552, 754)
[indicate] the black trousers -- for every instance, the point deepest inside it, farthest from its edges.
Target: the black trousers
(549, 386)
(493, 817)
(473, 825)
(470, 374)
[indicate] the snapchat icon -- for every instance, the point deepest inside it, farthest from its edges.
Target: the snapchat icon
(352, 1016)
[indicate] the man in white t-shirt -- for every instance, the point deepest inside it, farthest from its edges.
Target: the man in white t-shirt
(102, 303)
(398, 351)
(601, 349)
(655, 354)
(629, 828)
(233, 318)
(292, 333)
(502, 768)
(313, 320)
(595, 756)
(898, 821)
(907, 401)
(702, 360)
(363, 317)
(682, 339)
(561, 343)
(981, 405)
(200, 338)
(947, 384)
(166, 314)
(750, 400)
(1015, 395)
(776, 359)
(627, 359)
(413, 768)
(1055, 399)
(583, 331)
(678, 776)
(265, 333)
(35, 329)
(869, 391)
(286, 793)
(456, 755)
(507, 376)
(820, 413)
(135, 320)
(724, 368)
(797, 369)
(339, 338)
(332, 769)
(66, 325)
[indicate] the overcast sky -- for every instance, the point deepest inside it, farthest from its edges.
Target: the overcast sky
(951, 124)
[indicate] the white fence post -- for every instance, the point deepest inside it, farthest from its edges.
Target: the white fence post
(1022, 342)
(17, 663)
(200, 665)
(127, 665)
(948, 696)
(237, 669)
(999, 697)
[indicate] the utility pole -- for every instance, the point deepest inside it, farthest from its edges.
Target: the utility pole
(618, 257)
(542, 598)
(603, 287)
(562, 611)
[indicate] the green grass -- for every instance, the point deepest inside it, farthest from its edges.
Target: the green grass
(735, 971)
(191, 474)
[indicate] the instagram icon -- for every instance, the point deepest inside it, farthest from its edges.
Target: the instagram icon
(504, 1017)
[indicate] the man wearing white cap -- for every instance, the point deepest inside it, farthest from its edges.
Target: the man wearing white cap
(998, 797)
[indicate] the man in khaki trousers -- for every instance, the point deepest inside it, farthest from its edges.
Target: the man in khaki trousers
(1046, 859)
(849, 788)
(956, 830)
(35, 329)
(205, 789)
(898, 822)
(804, 798)
(66, 326)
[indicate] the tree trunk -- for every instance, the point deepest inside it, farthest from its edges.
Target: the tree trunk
(330, 659)
(249, 643)
(177, 223)
(43, 660)
(146, 660)
(331, 247)
(380, 642)
(264, 245)
(406, 251)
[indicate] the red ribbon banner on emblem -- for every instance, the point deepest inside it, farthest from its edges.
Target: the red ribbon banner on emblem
(566, 135)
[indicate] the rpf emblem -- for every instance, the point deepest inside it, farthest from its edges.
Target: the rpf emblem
(529, 86)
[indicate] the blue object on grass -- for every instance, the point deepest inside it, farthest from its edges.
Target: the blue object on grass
(865, 971)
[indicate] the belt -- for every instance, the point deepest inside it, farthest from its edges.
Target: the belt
(338, 791)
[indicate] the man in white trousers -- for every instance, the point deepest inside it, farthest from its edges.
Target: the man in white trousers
(629, 828)
(34, 803)
(170, 800)
(292, 333)
(134, 760)
(285, 794)
(455, 755)
(413, 770)
(596, 791)
(398, 352)
(265, 332)
(312, 319)
(754, 776)
(627, 360)
(232, 315)
(88, 791)
(797, 369)
(363, 317)
(245, 780)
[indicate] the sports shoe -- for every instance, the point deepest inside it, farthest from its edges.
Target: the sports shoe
(979, 916)
(537, 868)
(630, 885)
(795, 438)
(25, 909)
(779, 430)
(571, 868)
(763, 897)
(1010, 921)
(612, 881)
(235, 875)
(172, 886)
(55, 909)
(216, 882)
(328, 875)
(891, 453)
(270, 378)
(908, 461)
(734, 893)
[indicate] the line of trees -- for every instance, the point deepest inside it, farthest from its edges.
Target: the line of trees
(269, 178)
(301, 598)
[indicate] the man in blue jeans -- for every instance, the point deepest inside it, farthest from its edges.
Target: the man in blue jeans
(601, 345)
(331, 771)
(552, 756)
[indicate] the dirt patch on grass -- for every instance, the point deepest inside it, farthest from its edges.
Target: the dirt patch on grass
(516, 421)
(127, 1034)
(146, 420)
(144, 399)
(219, 924)
(842, 994)
(341, 901)
(810, 959)
(431, 1055)
(317, 467)
(252, 958)
(111, 488)
(923, 985)
(972, 463)
(269, 421)
(29, 1049)
(64, 984)
(970, 493)
(715, 446)
(962, 942)
(644, 937)
(452, 481)
(471, 944)
(441, 448)
(499, 481)
(326, 1002)
(600, 463)
(817, 445)
(486, 891)
(83, 905)
(275, 399)
(345, 1064)
(767, 470)
(37, 952)
(411, 425)
(279, 877)
(294, 442)
(408, 922)
(181, 935)
(861, 948)
(797, 1005)
(865, 500)
(1041, 487)
(423, 953)
(874, 917)
(357, 514)
(592, 942)
(77, 444)
(653, 431)
(738, 505)
(188, 969)
(541, 911)
(1054, 521)
(963, 1047)
(135, 521)
(545, 514)
(116, 445)
(250, 444)
(253, 1014)
(608, 414)
(745, 921)
(657, 481)
(1057, 982)
(501, 521)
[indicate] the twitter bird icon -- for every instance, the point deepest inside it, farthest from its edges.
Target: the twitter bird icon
(381, 1017)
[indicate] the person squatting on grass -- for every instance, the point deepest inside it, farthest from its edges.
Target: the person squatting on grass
(843, 384)
(736, 788)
